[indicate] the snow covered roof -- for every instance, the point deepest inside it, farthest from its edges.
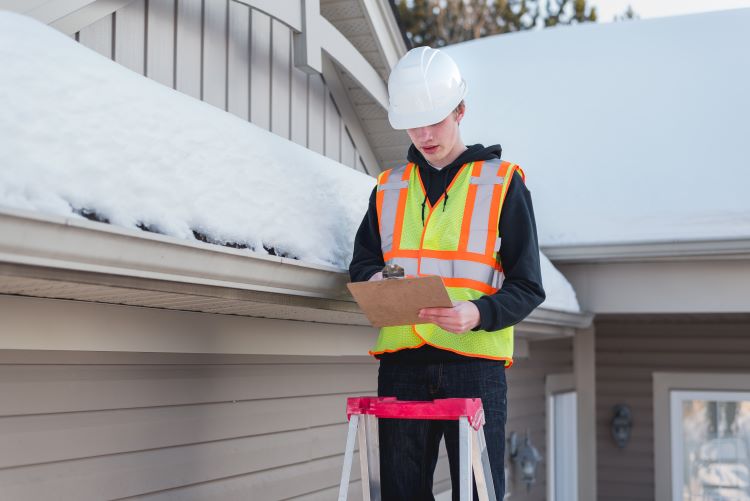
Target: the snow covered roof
(628, 132)
(83, 135)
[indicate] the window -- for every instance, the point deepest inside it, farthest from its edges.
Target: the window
(562, 438)
(710, 445)
(702, 436)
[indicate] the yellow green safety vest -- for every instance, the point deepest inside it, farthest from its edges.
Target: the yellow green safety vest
(458, 242)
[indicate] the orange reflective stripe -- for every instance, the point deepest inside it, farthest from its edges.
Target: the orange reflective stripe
(471, 196)
(398, 227)
(379, 198)
(467, 256)
(497, 201)
(470, 284)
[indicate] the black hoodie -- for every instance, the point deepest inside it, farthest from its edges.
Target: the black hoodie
(522, 289)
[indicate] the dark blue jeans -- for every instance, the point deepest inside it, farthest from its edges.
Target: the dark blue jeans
(409, 448)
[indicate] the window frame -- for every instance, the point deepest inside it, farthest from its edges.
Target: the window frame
(664, 384)
(556, 384)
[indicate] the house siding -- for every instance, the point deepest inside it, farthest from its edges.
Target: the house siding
(527, 406)
(233, 57)
(99, 424)
(81, 426)
(628, 351)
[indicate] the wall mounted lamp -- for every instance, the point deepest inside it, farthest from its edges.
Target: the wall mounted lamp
(525, 457)
(622, 424)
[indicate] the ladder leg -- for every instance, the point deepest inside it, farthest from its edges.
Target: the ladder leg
(364, 465)
(346, 471)
(464, 459)
(481, 462)
(373, 456)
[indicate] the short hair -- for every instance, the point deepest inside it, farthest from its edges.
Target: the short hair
(459, 107)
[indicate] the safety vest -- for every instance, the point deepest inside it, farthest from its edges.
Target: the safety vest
(458, 241)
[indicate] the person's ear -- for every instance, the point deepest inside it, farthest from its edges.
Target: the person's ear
(460, 114)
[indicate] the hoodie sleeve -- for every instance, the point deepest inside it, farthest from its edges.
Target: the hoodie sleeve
(522, 289)
(367, 258)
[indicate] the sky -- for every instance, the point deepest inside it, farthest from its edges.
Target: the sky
(607, 9)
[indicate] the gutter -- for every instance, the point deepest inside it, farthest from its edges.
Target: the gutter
(74, 244)
(666, 250)
(68, 258)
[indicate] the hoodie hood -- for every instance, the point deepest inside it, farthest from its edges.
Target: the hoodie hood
(436, 181)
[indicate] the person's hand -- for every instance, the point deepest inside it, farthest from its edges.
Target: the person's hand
(463, 317)
(376, 277)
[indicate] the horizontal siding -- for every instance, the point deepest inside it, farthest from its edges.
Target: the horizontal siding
(628, 352)
(83, 425)
(527, 406)
(231, 56)
(173, 427)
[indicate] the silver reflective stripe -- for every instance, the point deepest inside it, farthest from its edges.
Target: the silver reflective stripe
(457, 268)
(389, 208)
(409, 264)
(394, 185)
(497, 279)
(480, 223)
(488, 176)
(498, 243)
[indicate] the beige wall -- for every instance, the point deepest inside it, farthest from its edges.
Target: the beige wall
(80, 426)
(266, 422)
(527, 405)
(93, 419)
(628, 351)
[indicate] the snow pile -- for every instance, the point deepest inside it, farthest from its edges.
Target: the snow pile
(560, 294)
(632, 131)
(82, 133)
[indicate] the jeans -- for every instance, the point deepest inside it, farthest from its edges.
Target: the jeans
(409, 448)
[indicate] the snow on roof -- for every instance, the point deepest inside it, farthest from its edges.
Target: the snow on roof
(628, 132)
(83, 135)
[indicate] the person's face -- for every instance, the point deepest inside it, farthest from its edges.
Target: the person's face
(439, 142)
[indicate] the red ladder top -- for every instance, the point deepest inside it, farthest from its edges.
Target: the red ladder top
(446, 409)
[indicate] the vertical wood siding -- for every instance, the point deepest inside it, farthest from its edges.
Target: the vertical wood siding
(231, 56)
(628, 352)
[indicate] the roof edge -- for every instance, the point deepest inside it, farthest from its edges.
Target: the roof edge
(64, 248)
(668, 250)
(73, 244)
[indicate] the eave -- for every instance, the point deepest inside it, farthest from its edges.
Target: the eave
(71, 258)
(671, 250)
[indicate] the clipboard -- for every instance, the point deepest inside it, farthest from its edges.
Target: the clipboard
(398, 301)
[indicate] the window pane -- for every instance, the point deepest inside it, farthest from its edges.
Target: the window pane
(715, 449)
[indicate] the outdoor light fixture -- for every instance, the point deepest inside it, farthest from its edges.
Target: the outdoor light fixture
(525, 457)
(622, 423)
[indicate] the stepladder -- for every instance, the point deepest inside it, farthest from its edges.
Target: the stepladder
(363, 414)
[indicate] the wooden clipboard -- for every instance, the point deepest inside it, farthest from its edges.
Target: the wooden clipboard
(397, 301)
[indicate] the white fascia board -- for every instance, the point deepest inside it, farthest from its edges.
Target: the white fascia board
(68, 243)
(341, 50)
(341, 96)
(729, 248)
(385, 30)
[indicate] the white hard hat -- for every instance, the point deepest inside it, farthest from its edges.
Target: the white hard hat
(424, 87)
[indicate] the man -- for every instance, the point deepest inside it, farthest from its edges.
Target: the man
(461, 213)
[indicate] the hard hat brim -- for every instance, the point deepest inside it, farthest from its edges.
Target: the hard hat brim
(402, 121)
